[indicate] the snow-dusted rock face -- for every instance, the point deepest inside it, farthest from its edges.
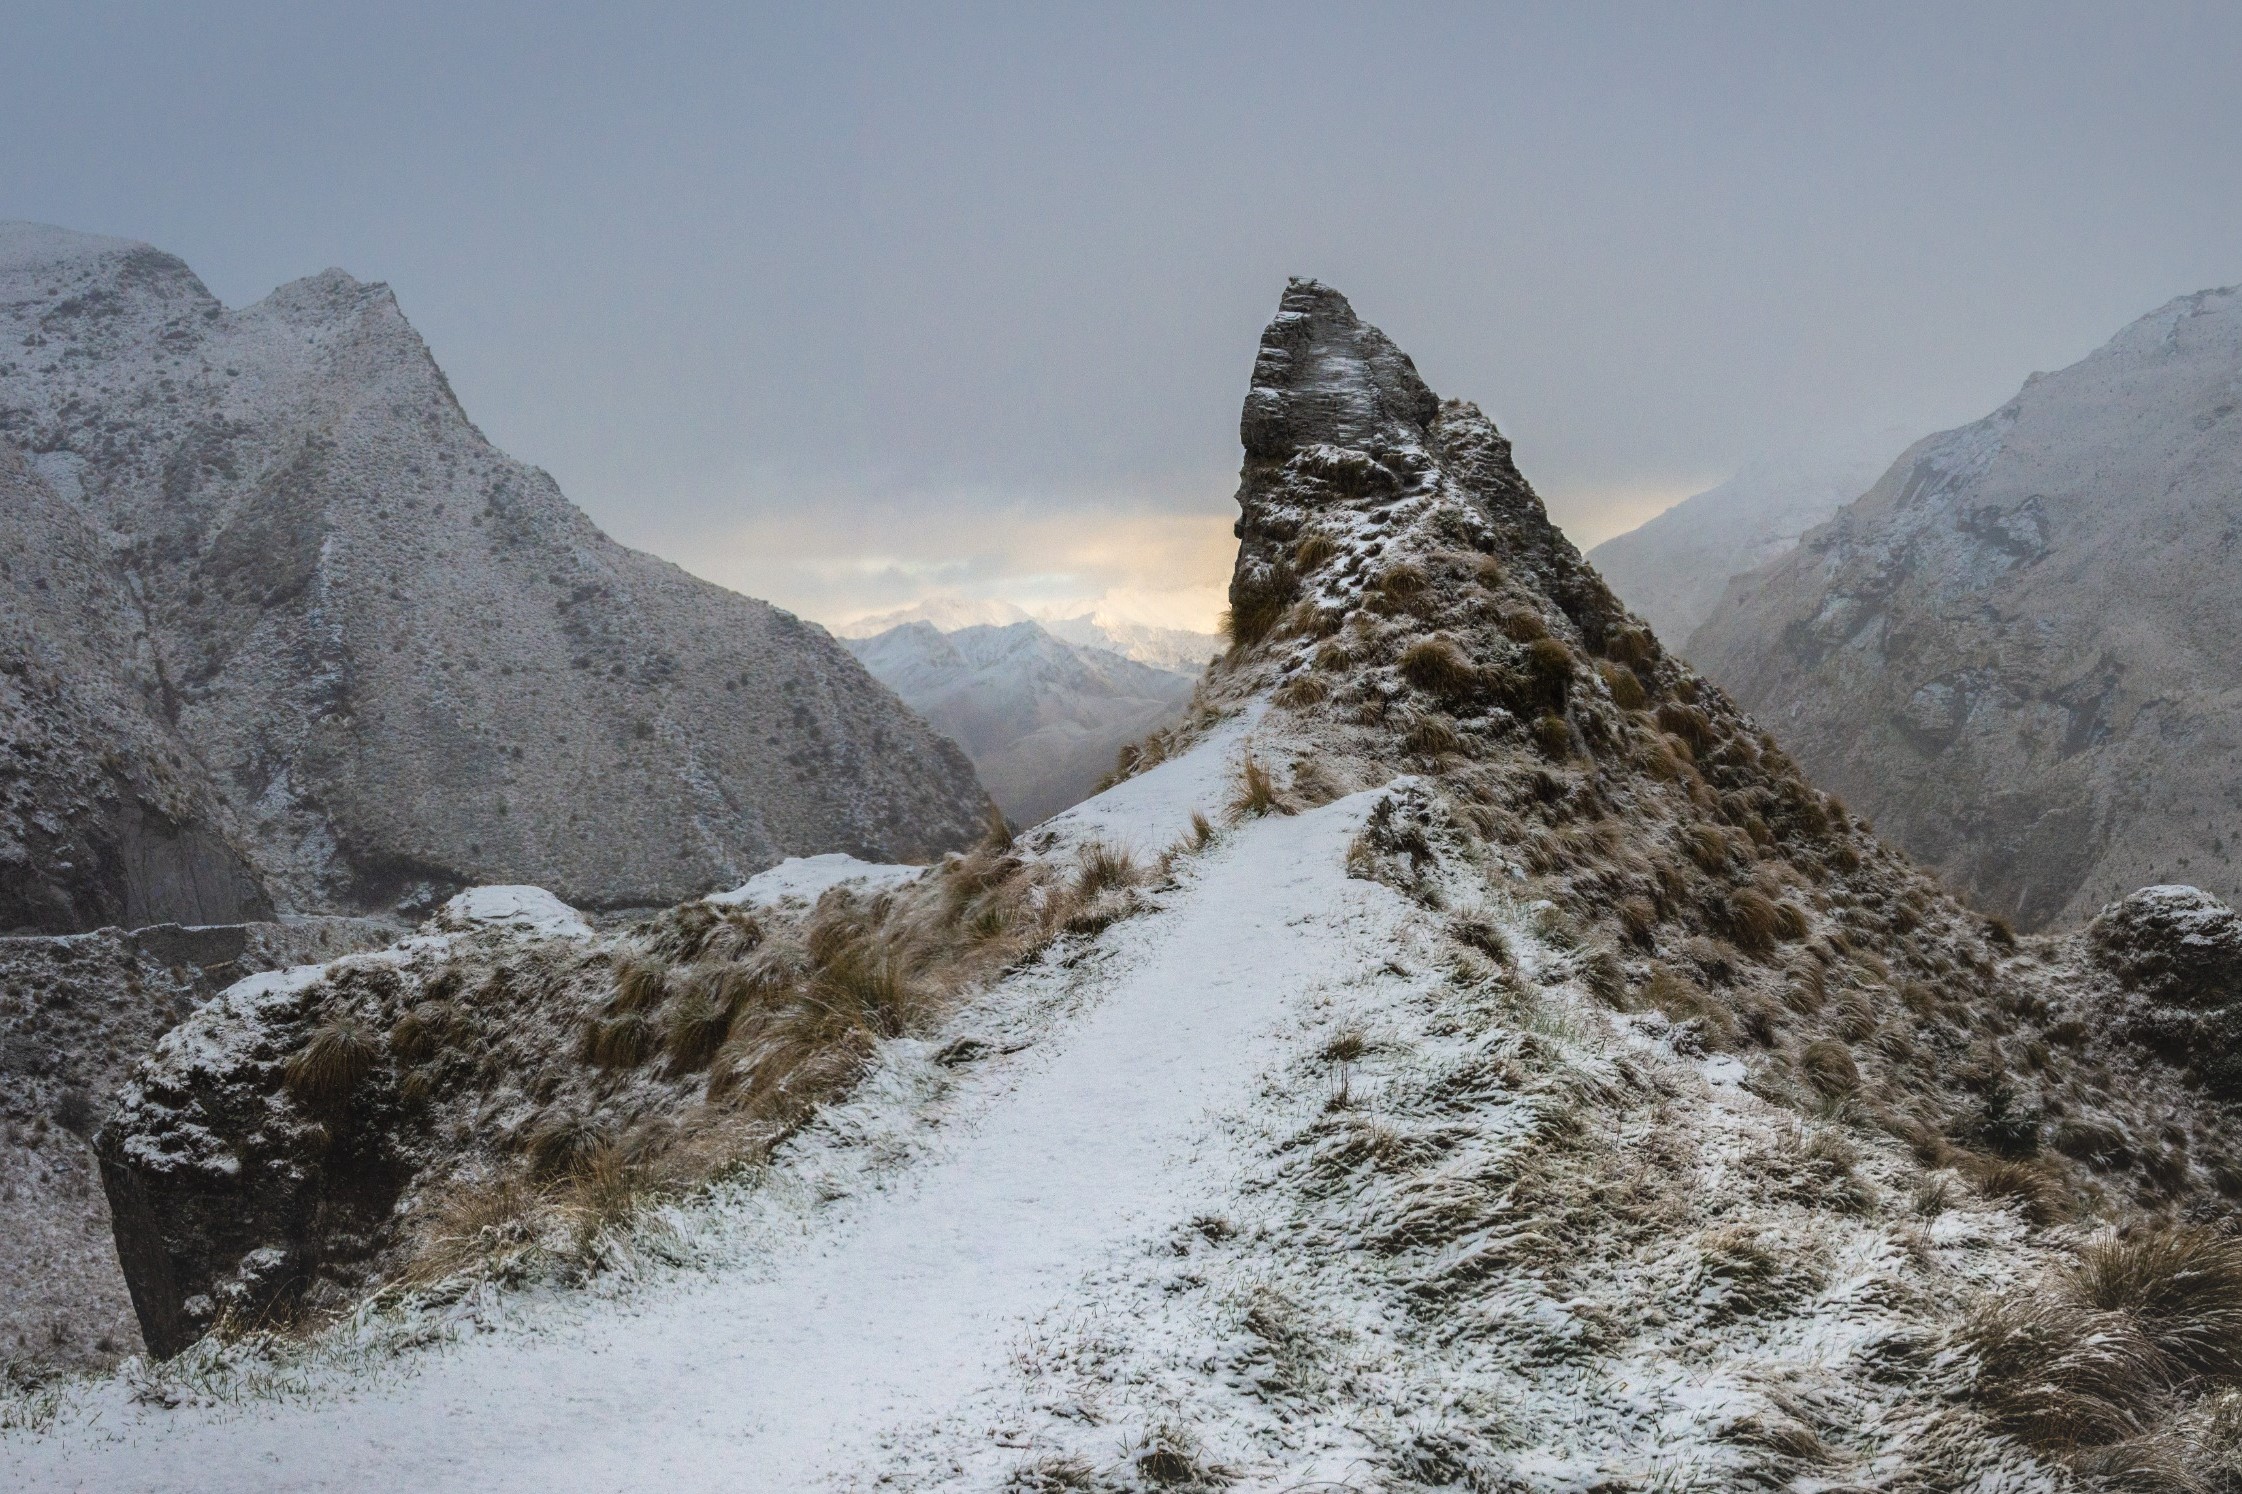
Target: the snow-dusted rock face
(2177, 944)
(106, 815)
(2015, 652)
(1042, 719)
(76, 1011)
(1672, 569)
(408, 663)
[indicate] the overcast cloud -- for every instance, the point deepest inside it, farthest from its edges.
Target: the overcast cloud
(848, 305)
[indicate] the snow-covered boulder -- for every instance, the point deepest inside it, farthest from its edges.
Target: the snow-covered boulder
(2173, 944)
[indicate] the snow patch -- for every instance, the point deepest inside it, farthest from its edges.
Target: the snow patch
(527, 910)
(805, 879)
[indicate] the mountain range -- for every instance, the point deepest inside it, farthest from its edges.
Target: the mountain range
(1042, 719)
(1673, 569)
(2014, 651)
(351, 657)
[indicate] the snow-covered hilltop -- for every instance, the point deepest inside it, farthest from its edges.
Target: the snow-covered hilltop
(1465, 1053)
(1042, 719)
(2015, 653)
(404, 660)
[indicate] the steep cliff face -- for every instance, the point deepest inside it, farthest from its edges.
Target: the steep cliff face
(408, 662)
(1042, 719)
(106, 815)
(2014, 652)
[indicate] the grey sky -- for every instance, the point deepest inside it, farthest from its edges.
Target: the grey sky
(844, 305)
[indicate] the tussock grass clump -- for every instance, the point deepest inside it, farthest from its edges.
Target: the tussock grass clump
(1257, 792)
(1312, 551)
(1054, 1473)
(623, 1041)
(422, 1032)
(1626, 689)
(2103, 1354)
(1634, 647)
(1429, 735)
(2038, 1194)
(1553, 734)
(1438, 667)
(2182, 1283)
(327, 1069)
(1257, 604)
(560, 1141)
(1751, 920)
(701, 1017)
(1302, 690)
(1755, 1274)
(1400, 581)
(1347, 1045)
(1706, 846)
(1520, 626)
(1101, 866)
(641, 981)
(1829, 1067)
(1687, 722)
(1551, 661)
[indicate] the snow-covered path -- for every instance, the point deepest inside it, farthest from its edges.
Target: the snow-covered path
(1095, 1138)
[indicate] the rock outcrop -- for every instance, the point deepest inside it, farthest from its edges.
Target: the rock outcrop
(106, 815)
(2014, 652)
(406, 661)
(76, 1012)
(1042, 719)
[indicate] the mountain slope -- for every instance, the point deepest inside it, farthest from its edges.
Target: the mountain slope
(2013, 651)
(1041, 719)
(1530, 1083)
(106, 817)
(408, 662)
(1672, 569)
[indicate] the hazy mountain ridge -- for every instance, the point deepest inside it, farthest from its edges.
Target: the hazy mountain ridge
(1041, 718)
(1179, 650)
(407, 661)
(1672, 569)
(2014, 652)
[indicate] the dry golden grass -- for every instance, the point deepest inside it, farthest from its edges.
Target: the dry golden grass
(1257, 605)
(2105, 1354)
(1257, 792)
(423, 1031)
(1626, 689)
(641, 981)
(1829, 1067)
(1312, 551)
(620, 1042)
(1749, 918)
(1438, 667)
(1553, 734)
(327, 1069)
(1100, 866)
(1522, 626)
(1429, 735)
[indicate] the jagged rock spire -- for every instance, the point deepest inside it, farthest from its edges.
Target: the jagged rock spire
(1325, 375)
(1337, 416)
